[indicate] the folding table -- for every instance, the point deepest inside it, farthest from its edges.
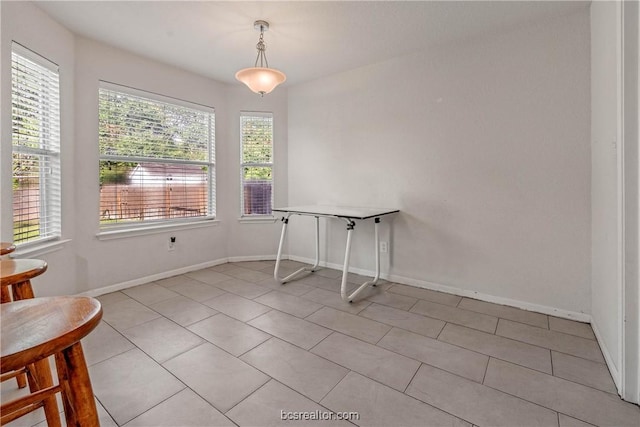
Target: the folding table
(348, 214)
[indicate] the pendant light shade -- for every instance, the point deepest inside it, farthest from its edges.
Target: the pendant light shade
(261, 79)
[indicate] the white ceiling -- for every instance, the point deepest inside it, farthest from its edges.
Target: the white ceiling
(307, 39)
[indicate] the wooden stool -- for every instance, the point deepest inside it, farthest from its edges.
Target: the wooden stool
(6, 248)
(34, 329)
(15, 278)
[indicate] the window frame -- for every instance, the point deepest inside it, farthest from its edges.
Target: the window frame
(49, 184)
(141, 227)
(243, 164)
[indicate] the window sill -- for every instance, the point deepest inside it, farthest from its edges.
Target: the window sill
(154, 229)
(39, 249)
(258, 219)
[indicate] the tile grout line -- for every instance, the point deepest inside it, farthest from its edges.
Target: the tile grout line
(539, 346)
(503, 392)
(103, 407)
(423, 336)
(412, 305)
(319, 342)
(411, 380)
(551, 409)
(122, 352)
(486, 368)
(247, 396)
(159, 403)
(488, 355)
(335, 385)
(561, 379)
(381, 338)
(440, 333)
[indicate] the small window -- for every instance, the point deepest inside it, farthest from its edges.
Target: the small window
(35, 135)
(156, 158)
(256, 151)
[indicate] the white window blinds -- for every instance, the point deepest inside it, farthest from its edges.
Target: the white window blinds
(35, 134)
(156, 158)
(256, 152)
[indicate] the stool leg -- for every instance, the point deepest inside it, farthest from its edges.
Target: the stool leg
(5, 295)
(77, 394)
(42, 379)
(21, 291)
(21, 380)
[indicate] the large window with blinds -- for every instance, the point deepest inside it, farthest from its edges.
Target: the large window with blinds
(256, 161)
(157, 158)
(35, 135)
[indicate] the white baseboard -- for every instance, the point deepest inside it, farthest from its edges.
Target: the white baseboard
(254, 258)
(152, 278)
(557, 312)
(615, 372)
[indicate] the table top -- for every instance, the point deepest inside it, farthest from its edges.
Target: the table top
(20, 270)
(40, 327)
(337, 211)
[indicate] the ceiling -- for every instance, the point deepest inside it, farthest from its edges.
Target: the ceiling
(307, 39)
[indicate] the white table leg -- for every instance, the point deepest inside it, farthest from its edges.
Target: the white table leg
(285, 222)
(317, 263)
(345, 270)
(345, 267)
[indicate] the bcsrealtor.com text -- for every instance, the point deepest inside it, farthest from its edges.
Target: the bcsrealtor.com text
(318, 416)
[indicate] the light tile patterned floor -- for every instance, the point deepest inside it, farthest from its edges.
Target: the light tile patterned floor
(229, 346)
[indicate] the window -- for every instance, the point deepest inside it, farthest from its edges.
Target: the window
(156, 158)
(256, 151)
(35, 135)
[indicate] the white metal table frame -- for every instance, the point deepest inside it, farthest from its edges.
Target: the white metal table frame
(350, 215)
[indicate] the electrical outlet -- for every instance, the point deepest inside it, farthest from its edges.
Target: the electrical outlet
(172, 243)
(384, 247)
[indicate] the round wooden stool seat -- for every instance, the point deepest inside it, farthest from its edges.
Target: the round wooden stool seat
(6, 248)
(34, 329)
(13, 271)
(39, 327)
(16, 275)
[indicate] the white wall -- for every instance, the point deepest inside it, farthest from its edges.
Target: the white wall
(256, 240)
(87, 263)
(605, 287)
(484, 147)
(102, 263)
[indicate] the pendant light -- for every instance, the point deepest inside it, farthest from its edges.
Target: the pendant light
(261, 79)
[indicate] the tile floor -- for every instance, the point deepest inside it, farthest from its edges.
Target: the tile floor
(229, 346)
